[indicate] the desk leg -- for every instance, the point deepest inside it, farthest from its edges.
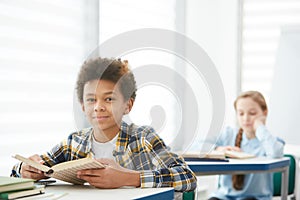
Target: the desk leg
(284, 183)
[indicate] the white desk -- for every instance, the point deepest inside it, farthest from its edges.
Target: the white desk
(87, 192)
(245, 166)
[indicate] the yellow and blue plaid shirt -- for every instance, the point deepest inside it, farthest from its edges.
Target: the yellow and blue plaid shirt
(137, 148)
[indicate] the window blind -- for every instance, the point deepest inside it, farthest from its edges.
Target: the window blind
(42, 47)
(262, 21)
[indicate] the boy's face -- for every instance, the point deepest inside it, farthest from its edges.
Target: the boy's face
(104, 105)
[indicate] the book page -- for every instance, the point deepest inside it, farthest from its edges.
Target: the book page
(239, 154)
(67, 171)
(32, 163)
(212, 154)
(215, 154)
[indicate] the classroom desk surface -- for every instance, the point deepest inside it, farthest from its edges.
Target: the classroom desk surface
(245, 166)
(87, 192)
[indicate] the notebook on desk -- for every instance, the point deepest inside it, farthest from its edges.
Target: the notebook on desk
(215, 156)
(205, 159)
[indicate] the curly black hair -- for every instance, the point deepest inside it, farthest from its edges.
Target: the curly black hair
(109, 69)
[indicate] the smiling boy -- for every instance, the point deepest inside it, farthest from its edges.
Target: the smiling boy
(135, 155)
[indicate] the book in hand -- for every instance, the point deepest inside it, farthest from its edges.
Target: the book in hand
(38, 189)
(11, 183)
(66, 171)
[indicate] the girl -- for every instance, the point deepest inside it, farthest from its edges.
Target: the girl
(252, 137)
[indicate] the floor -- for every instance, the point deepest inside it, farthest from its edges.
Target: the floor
(206, 185)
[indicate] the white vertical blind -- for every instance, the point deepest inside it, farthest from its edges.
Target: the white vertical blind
(42, 47)
(262, 23)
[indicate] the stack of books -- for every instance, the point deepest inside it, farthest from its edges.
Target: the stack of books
(12, 188)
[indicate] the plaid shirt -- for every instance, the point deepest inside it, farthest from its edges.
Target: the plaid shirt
(137, 148)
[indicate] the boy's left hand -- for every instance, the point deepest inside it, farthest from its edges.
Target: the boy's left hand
(112, 176)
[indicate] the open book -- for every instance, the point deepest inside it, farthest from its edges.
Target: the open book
(214, 155)
(66, 171)
(238, 154)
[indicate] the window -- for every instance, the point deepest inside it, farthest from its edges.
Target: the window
(42, 47)
(262, 21)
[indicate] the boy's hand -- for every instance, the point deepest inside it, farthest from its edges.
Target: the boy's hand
(112, 176)
(30, 172)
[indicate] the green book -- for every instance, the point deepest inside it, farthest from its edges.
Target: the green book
(38, 189)
(11, 183)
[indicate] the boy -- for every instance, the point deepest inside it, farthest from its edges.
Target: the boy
(136, 156)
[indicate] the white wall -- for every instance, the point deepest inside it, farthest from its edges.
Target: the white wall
(213, 25)
(285, 97)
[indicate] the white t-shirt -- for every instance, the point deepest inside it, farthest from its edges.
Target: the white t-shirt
(104, 150)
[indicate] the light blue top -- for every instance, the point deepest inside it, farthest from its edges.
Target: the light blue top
(260, 185)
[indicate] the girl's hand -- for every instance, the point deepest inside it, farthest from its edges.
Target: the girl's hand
(228, 148)
(261, 120)
(30, 172)
(112, 176)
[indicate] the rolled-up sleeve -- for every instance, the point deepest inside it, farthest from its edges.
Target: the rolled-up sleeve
(170, 169)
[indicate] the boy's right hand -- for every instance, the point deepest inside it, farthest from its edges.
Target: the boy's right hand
(30, 172)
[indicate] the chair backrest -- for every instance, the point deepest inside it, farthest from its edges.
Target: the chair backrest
(277, 178)
(188, 195)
